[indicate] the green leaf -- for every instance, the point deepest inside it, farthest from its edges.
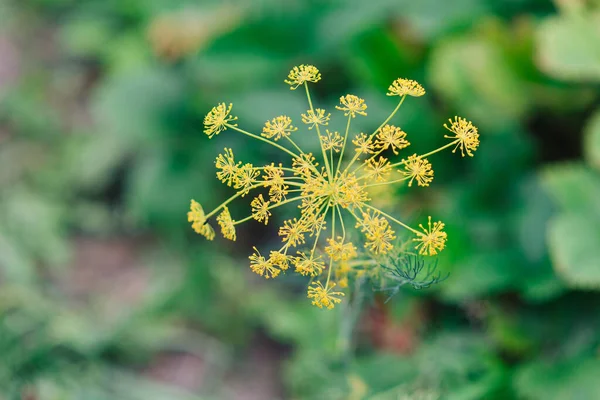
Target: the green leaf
(573, 380)
(574, 242)
(591, 144)
(569, 47)
(573, 187)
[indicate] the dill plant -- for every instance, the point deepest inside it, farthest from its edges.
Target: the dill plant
(331, 192)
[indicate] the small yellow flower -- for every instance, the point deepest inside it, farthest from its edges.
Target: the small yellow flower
(324, 296)
(418, 168)
(403, 87)
(260, 209)
(351, 192)
(340, 251)
(363, 144)
(304, 164)
(245, 178)
(292, 232)
(273, 179)
(378, 169)
(308, 264)
(352, 105)
(432, 240)
(301, 74)
(332, 141)
(217, 119)
(391, 137)
(227, 166)
(466, 135)
(379, 239)
(278, 127)
(316, 117)
(226, 224)
(280, 260)
(259, 265)
(198, 219)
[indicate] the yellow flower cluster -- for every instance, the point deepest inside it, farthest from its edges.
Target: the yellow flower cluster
(332, 193)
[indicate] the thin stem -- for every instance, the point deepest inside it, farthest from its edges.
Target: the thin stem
(329, 172)
(390, 182)
(430, 153)
(282, 168)
(229, 200)
(392, 218)
(320, 227)
(248, 218)
(332, 237)
(344, 146)
(262, 139)
(341, 222)
(294, 144)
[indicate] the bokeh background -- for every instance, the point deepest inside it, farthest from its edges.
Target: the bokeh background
(106, 293)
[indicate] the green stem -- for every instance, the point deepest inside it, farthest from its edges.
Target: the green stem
(389, 183)
(392, 218)
(333, 237)
(262, 139)
(344, 146)
(430, 153)
(329, 172)
(229, 200)
(248, 218)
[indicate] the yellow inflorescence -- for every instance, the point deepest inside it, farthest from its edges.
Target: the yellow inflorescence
(199, 221)
(324, 296)
(217, 120)
(352, 105)
(227, 224)
(405, 87)
(331, 193)
(278, 127)
(301, 74)
(418, 168)
(466, 135)
(433, 238)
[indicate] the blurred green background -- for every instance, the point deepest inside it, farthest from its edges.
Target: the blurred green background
(106, 293)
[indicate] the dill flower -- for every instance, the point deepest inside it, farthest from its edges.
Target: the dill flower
(261, 266)
(226, 224)
(332, 141)
(280, 260)
(403, 87)
(363, 144)
(199, 221)
(308, 264)
(228, 167)
(260, 209)
(324, 296)
(352, 105)
(391, 137)
(378, 169)
(292, 232)
(245, 178)
(278, 127)
(329, 189)
(315, 117)
(418, 168)
(432, 240)
(301, 74)
(217, 119)
(340, 251)
(465, 135)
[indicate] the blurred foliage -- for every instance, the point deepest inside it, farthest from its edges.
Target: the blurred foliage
(101, 107)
